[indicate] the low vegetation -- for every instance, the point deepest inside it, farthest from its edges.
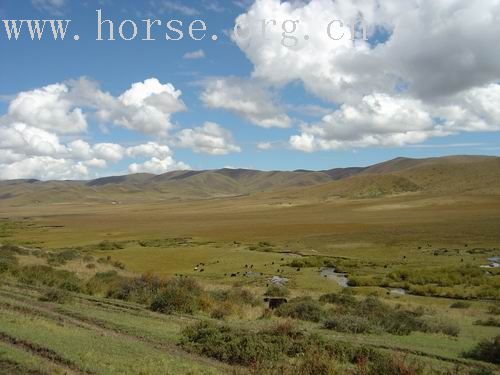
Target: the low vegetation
(272, 349)
(488, 351)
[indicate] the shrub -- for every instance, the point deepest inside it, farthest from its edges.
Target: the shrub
(104, 283)
(494, 310)
(62, 257)
(108, 245)
(13, 249)
(349, 323)
(179, 295)
(345, 298)
(277, 291)
(236, 295)
(390, 365)
(227, 345)
(303, 308)
(487, 350)
(317, 362)
(445, 327)
(268, 351)
(221, 312)
(55, 296)
(460, 305)
(491, 322)
(48, 276)
(143, 289)
(378, 316)
(8, 261)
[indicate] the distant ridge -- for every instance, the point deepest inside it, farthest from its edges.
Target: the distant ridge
(442, 175)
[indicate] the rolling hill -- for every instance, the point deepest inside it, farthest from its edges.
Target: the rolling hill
(439, 176)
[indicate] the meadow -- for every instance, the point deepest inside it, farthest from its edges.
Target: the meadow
(392, 284)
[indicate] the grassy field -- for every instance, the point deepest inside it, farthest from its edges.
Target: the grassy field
(430, 247)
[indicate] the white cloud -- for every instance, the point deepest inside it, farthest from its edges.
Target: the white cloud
(194, 55)
(24, 139)
(96, 163)
(436, 48)
(52, 6)
(161, 159)
(208, 139)
(150, 149)
(146, 107)
(265, 146)
(44, 168)
(109, 151)
(30, 144)
(383, 120)
(248, 99)
(48, 108)
(158, 166)
(427, 69)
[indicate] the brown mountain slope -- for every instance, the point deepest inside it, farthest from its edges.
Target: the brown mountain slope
(457, 174)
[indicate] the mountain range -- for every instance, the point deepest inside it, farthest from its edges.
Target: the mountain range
(437, 176)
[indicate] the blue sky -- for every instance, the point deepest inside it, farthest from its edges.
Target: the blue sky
(302, 138)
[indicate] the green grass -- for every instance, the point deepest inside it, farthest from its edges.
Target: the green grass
(359, 237)
(101, 350)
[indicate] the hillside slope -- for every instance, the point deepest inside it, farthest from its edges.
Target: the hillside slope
(447, 175)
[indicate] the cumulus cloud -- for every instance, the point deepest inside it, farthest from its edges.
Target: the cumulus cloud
(161, 159)
(31, 130)
(434, 48)
(23, 139)
(194, 55)
(146, 107)
(44, 168)
(208, 139)
(158, 166)
(247, 98)
(427, 68)
(48, 108)
(384, 120)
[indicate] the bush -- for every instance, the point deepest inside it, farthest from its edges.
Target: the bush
(390, 365)
(268, 351)
(228, 345)
(494, 310)
(491, 322)
(487, 351)
(104, 283)
(349, 324)
(62, 257)
(141, 290)
(460, 305)
(277, 291)
(346, 298)
(221, 312)
(48, 276)
(55, 296)
(445, 327)
(180, 295)
(317, 362)
(378, 317)
(8, 261)
(236, 295)
(108, 245)
(303, 308)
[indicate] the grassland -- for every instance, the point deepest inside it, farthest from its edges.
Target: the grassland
(429, 245)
